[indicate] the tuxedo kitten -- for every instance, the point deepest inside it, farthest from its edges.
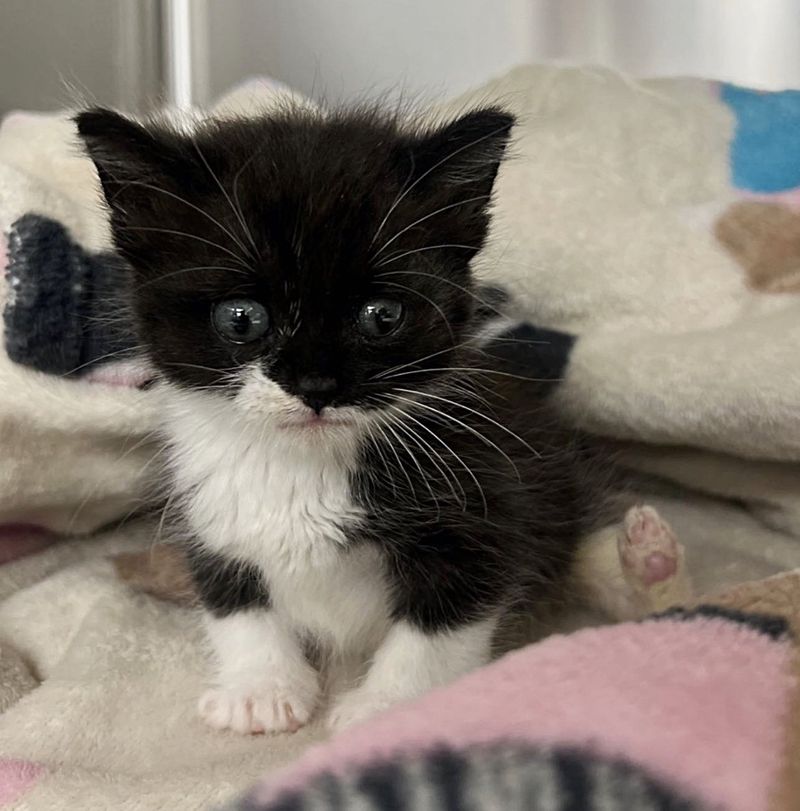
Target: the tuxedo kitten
(354, 467)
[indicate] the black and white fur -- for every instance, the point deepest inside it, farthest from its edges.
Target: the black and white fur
(394, 497)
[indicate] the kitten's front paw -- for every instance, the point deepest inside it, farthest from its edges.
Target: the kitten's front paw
(356, 706)
(266, 709)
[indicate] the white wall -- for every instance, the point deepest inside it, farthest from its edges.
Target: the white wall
(749, 42)
(55, 52)
(346, 48)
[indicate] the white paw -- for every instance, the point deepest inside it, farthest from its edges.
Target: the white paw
(356, 706)
(255, 711)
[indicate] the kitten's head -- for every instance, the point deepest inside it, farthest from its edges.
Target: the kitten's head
(300, 264)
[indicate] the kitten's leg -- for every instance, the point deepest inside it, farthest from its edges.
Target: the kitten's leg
(410, 662)
(263, 681)
(635, 568)
(442, 591)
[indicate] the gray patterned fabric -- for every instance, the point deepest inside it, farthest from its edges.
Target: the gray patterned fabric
(504, 777)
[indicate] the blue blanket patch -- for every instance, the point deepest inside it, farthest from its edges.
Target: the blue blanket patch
(765, 153)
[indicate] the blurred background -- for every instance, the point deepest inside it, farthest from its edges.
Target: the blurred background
(131, 53)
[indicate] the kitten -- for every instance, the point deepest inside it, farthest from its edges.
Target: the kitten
(354, 468)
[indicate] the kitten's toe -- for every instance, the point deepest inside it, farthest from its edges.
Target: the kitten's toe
(652, 559)
(256, 711)
(356, 706)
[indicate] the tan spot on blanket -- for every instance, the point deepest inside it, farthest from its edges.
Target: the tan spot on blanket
(777, 595)
(765, 240)
(161, 570)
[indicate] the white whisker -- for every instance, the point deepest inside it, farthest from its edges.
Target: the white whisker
(430, 301)
(431, 452)
(427, 172)
(445, 281)
(477, 414)
(397, 257)
(236, 211)
(191, 205)
(463, 425)
(391, 427)
(188, 270)
(384, 424)
(427, 217)
(188, 236)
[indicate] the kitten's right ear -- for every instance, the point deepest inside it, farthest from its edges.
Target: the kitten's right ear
(125, 152)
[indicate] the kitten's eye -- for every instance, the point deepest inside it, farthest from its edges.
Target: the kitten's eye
(380, 317)
(240, 320)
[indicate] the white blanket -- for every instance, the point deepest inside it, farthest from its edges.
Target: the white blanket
(602, 230)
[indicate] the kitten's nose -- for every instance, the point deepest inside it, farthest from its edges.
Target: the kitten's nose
(316, 392)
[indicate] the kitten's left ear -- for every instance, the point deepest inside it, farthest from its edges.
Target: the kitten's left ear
(125, 152)
(466, 153)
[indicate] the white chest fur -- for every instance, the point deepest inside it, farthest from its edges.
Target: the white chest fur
(281, 502)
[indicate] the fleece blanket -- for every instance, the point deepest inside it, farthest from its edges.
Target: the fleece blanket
(623, 223)
(694, 709)
(657, 223)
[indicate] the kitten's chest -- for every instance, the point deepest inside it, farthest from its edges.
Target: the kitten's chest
(283, 508)
(289, 514)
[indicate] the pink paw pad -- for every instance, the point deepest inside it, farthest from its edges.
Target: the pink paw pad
(649, 551)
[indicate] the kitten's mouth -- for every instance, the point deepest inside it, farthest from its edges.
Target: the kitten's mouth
(315, 422)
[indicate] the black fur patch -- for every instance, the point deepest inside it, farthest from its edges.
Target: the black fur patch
(534, 352)
(226, 586)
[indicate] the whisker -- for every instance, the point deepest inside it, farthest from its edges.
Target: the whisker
(372, 428)
(477, 414)
(458, 286)
(385, 372)
(427, 217)
(237, 212)
(463, 425)
(396, 201)
(384, 424)
(191, 205)
(466, 467)
(425, 174)
(401, 426)
(226, 370)
(187, 236)
(188, 270)
(397, 257)
(430, 301)
(149, 436)
(473, 369)
(132, 351)
(391, 427)
(444, 468)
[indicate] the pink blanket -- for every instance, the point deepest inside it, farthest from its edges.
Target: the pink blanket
(682, 711)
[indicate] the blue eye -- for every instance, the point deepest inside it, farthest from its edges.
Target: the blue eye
(380, 317)
(240, 320)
